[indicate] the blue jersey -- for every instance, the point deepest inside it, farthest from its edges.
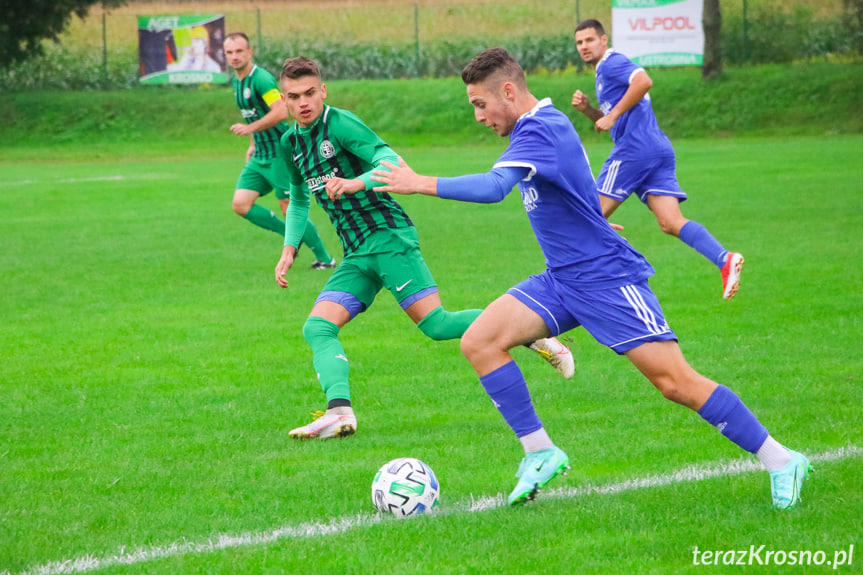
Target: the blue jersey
(559, 195)
(636, 133)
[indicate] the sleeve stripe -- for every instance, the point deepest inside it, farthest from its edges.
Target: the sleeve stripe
(519, 165)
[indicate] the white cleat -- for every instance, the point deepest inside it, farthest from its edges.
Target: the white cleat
(555, 353)
(731, 274)
(325, 426)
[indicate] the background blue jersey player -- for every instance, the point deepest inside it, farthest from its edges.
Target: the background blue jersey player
(594, 278)
(642, 161)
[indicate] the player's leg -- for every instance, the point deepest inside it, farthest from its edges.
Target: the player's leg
(664, 365)
(400, 265)
(244, 205)
(629, 320)
(251, 185)
(507, 323)
(608, 205)
(407, 276)
(347, 293)
(662, 193)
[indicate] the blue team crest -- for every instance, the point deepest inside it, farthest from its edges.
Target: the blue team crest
(327, 149)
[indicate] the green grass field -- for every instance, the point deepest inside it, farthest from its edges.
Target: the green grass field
(150, 369)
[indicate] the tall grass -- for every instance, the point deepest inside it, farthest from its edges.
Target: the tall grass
(397, 39)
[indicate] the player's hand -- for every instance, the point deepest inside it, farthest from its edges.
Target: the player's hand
(605, 123)
(397, 179)
(337, 187)
(617, 227)
(580, 101)
(250, 152)
(285, 263)
(241, 129)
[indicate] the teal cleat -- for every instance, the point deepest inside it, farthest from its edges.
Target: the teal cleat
(536, 470)
(786, 483)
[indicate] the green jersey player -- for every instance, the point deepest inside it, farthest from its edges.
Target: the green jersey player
(330, 154)
(257, 95)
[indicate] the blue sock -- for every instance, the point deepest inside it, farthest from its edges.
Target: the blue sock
(724, 410)
(698, 238)
(507, 388)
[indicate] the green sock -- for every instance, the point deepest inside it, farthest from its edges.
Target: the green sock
(330, 360)
(440, 324)
(313, 240)
(262, 217)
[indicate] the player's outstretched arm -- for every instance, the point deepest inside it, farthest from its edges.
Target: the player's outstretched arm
(401, 179)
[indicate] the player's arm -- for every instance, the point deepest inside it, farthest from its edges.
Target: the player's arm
(295, 223)
(358, 139)
(278, 113)
(581, 102)
(336, 187)
(487, 188)
(639, 84)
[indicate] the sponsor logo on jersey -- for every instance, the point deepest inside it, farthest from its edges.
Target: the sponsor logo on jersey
(319, 182)
(529, 196)
(247, 114)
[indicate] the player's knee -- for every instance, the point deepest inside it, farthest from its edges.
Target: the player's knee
(473, 344)
(468, 346)
(433, 325)
(672, 390)
(670, 227)
(317, 327)
(240, 206)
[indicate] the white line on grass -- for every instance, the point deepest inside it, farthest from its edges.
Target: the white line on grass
(341, 525)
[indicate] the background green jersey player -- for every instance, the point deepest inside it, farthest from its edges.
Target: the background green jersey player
(257, 96)
(331, 155)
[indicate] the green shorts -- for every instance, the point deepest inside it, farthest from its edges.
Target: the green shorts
(264, 175)
(389, 258)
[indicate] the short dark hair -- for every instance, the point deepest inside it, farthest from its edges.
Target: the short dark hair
(493, 62)
(591, 23)
(235, 35)
(300, 67)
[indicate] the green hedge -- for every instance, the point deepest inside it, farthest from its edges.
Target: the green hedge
(770, 37)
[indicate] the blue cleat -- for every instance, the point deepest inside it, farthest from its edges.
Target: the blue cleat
(536, 470)
(786, 483)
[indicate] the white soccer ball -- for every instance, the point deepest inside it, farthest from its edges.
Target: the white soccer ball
(405, 486)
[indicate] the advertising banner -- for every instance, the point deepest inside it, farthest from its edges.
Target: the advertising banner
(659, 32)
(181, 49)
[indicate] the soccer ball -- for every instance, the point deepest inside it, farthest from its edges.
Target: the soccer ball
(405, 486)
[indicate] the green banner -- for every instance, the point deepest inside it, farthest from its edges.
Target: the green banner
(642, 3)
(181, 49)
(669, 59)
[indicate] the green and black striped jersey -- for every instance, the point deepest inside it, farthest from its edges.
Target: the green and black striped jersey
(340, 145)
(254, 95)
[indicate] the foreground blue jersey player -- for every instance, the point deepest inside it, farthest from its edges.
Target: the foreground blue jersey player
(594, 278)
(642, 161)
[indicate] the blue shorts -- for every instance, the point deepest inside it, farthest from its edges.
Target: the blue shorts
(621, 178)
(621, 318)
